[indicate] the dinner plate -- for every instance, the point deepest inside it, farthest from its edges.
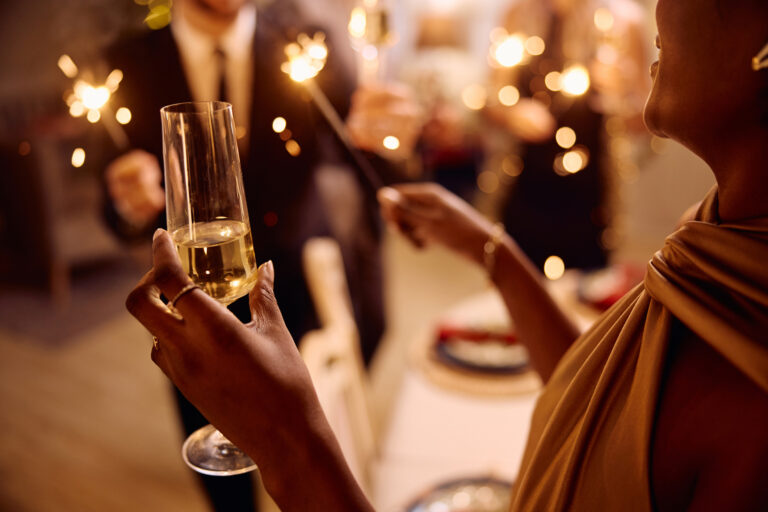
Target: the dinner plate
(481, 351)
(602, 288)
(474, 494)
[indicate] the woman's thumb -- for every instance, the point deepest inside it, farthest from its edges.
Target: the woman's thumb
(264, 309)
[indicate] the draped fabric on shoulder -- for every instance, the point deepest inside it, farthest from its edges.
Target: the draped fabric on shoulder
(590, 441)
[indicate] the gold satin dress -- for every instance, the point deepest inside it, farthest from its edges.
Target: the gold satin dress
(590, 439)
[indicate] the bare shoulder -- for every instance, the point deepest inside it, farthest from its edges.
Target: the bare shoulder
(710, 446)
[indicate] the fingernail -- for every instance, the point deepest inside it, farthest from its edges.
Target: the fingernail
(157, 233)
(388, 194)
(271, 266)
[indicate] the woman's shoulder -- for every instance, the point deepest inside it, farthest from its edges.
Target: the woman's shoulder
(710, 448)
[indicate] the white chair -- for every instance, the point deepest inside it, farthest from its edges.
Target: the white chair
(332, 355)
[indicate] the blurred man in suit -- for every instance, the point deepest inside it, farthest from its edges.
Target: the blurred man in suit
(230, 50)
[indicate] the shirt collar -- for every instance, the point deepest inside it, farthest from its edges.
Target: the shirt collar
(236, 41)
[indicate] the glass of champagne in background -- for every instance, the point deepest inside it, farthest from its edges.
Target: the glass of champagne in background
(208, 221)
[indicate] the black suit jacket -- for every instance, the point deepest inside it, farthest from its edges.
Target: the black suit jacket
(277, 185)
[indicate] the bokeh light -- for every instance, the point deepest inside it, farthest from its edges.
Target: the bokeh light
(279, 124)
(293, 148)
(534, 45)
(553, 81)
(93, 116)
(565, 137)
(369, 52)
(76, 109)
(474, 96)
(488, 182)
(123, 115)
(510, 51)
(554, 267)
(575, 80)
(357, 23)
(67, 66)
(391, 142)
(25, 148)
(603, 19)
(78, 157)
(512, 165)
(573, 162)
(509, 95)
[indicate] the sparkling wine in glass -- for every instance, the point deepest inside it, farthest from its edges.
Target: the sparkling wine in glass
(208, 221)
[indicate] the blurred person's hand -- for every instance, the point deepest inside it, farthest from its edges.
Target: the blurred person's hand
(134, 184)
(444, 129)
(385, 110)
(428, 214)
(248, 379)
(529, 120)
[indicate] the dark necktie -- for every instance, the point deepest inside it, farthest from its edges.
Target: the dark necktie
(221, 58)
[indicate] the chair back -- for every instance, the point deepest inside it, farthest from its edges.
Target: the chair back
(332, 355)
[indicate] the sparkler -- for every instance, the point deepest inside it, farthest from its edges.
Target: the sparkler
(93, 101)
(306, 58)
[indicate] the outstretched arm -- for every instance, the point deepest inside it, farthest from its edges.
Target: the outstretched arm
(249, 381)
(428, 214)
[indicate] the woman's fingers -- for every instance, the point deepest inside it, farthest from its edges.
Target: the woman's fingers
(171, 278)
(144, 303)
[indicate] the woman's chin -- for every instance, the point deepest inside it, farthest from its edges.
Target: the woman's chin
(652, 115)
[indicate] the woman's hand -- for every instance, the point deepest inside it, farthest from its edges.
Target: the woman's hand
(427, 213)
(248, 380)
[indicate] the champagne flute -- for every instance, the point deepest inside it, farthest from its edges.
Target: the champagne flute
(208, 221)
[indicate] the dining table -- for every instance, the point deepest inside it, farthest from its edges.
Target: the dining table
(451, 423)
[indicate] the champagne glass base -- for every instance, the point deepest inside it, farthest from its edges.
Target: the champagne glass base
(208, 452)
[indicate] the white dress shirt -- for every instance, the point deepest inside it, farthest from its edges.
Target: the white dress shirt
(202, 69)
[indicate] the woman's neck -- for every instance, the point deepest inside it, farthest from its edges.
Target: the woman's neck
(741, 171)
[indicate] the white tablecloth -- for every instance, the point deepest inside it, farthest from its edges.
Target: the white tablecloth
(438, 434)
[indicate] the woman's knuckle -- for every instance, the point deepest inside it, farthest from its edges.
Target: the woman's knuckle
(166, 274)
(134, 300)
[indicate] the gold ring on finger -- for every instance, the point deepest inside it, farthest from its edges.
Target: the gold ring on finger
(188, 288)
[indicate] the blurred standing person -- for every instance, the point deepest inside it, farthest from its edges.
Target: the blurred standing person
(583, 73)
(231, 50)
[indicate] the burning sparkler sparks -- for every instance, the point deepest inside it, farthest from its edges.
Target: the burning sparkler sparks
(306, 58)
(93, 100)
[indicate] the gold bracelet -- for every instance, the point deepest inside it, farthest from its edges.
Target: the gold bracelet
(491, 246)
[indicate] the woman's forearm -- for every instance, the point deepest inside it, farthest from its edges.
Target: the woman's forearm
(307, 470)
(540, 323)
